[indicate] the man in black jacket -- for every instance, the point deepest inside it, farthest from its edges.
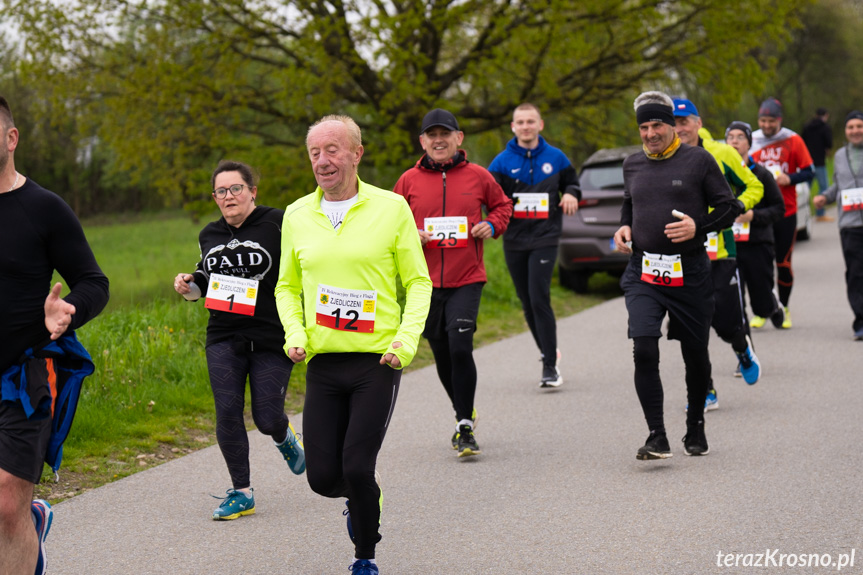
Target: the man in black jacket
(668, 191)
(818, 137)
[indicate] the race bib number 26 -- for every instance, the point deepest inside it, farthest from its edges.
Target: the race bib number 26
(662, 270)
(345, 309)
(233, 295)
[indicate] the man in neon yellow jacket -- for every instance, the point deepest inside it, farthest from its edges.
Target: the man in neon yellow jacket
(729, 318)
(344, 248)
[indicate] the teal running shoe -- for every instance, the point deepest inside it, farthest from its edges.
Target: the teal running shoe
(293, 452)
(235, 505)
(42, 517)
(364, 567)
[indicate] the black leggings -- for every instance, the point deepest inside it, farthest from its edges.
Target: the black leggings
(349, 401)
(531, 273)
(784, 232)
(457, 370)
(755, 264)
(268, 374)
(648, 384)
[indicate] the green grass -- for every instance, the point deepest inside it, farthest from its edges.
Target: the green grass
(149, 399)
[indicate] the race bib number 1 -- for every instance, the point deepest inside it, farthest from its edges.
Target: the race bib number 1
(530, 206)
(446, 232)
(852, 199)
(346, 310)
(233, 295)
(741, 231)
(712, 245)
(662, 270)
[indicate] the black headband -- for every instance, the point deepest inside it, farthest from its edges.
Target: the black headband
(654, 113)
(855, 115)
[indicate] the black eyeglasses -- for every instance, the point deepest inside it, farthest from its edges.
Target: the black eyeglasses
(235, 190)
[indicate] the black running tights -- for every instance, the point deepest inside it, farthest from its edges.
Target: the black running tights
(648, 384)
(456, 369)
(349, 401)
(268, 374)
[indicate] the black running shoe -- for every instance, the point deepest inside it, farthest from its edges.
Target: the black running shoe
(455, 440)
(550, 377)
(656, 447)
(467, 444)
(778, 317)
(695, 442)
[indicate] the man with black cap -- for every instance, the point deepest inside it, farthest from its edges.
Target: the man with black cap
(784, 153)
(447, 195)
(729, 318)
(848, 187)
(665, 217)
(755, 255)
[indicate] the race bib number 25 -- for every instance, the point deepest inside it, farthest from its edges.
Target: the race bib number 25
(345, 309)
(446, 232)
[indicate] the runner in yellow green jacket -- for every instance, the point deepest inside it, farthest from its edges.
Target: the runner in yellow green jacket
(729, 317)
(345, 248)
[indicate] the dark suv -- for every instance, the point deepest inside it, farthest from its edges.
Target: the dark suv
(587, 238)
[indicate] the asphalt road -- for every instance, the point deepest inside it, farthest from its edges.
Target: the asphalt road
(557, 489)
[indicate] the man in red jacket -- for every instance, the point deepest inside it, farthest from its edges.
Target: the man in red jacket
(447, 195)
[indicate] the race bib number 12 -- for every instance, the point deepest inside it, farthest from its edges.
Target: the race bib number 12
(233, 295)
(662, 270)
(345, 309)
(446, 232)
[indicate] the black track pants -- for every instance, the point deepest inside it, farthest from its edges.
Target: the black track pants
(349, 401)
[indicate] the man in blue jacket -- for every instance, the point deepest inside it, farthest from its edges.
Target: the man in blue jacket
(543, 186)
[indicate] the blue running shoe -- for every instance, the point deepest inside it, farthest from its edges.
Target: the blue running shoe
(235, 505)
(42, 517)
(347, 514)
(749, 365)
(364, 567)
(292, 450)
(711, 402)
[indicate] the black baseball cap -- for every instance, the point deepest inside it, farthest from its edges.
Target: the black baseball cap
(439, 117)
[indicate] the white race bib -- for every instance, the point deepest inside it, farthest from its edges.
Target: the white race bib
(852, 200)
(712, 245)
(233, 295)
(662, 270)
(346, 309)
(741, 231)
(530, 206)
(446, 232)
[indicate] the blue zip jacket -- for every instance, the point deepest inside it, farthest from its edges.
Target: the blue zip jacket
(542, 170)
(39, 399)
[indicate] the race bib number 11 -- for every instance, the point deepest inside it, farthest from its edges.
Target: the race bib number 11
(345, 309)
(530, 206)
(233, 295)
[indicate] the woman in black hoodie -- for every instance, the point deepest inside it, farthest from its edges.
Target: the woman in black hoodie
(237, 275)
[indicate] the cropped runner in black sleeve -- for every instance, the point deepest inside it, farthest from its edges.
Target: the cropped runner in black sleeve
(668, 190)
(237, 274)
(39, 234)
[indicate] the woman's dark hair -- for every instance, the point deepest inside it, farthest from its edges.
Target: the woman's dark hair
(248, 175)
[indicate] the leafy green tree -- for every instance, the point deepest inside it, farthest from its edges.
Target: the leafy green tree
(170, 87)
